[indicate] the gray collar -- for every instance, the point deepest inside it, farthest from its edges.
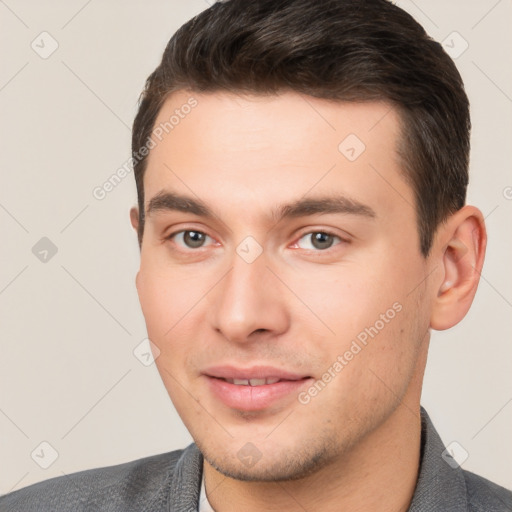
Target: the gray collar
(439, 487)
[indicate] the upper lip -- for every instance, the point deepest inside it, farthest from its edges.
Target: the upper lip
(255, 372)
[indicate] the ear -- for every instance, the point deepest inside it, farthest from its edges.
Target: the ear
(134, 218)
(461, 244)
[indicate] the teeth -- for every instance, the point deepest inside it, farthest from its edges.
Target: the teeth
(241, 382)
(257, 382)
(252, 382)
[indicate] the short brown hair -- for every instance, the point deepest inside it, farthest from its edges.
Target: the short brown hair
(347, 50)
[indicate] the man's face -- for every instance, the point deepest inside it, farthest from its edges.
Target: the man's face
(331, 299)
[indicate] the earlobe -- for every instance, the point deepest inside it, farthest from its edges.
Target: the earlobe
(464, 241)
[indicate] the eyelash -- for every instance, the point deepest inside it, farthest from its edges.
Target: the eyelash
(324, 232)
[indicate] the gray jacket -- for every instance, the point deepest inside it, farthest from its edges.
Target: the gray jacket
(171, 482)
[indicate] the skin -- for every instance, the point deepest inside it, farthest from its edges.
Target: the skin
(356, 444)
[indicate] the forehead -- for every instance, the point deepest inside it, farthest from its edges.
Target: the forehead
(247, 150)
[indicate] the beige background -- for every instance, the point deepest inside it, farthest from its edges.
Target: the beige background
(68, 375)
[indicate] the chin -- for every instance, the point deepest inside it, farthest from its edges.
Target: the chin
(276, 466)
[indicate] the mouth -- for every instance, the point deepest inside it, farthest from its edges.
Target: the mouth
(254, 389)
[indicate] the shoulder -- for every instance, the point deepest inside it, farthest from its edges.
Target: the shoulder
(486, 496)
(130, 486)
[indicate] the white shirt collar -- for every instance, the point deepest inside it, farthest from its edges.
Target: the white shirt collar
(204, 504)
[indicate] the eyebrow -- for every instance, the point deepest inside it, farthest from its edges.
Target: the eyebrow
(170, 201)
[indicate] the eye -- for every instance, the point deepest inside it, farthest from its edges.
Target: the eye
(189, 239)
(317, 240)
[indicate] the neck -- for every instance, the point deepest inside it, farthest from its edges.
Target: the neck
(379, 474)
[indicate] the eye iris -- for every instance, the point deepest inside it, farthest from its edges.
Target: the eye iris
(322, 240)
(193, 238)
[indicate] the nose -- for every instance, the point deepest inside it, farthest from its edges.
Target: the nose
(249, 302)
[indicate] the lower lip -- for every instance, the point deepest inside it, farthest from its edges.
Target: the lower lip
(254, 398)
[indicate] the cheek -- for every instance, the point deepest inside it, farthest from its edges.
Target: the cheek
(390, 336)
(174, 313)
(166, 293)
(377, 360)
(373, 306)
(345, 299)
(168, 316)
(155, 298)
